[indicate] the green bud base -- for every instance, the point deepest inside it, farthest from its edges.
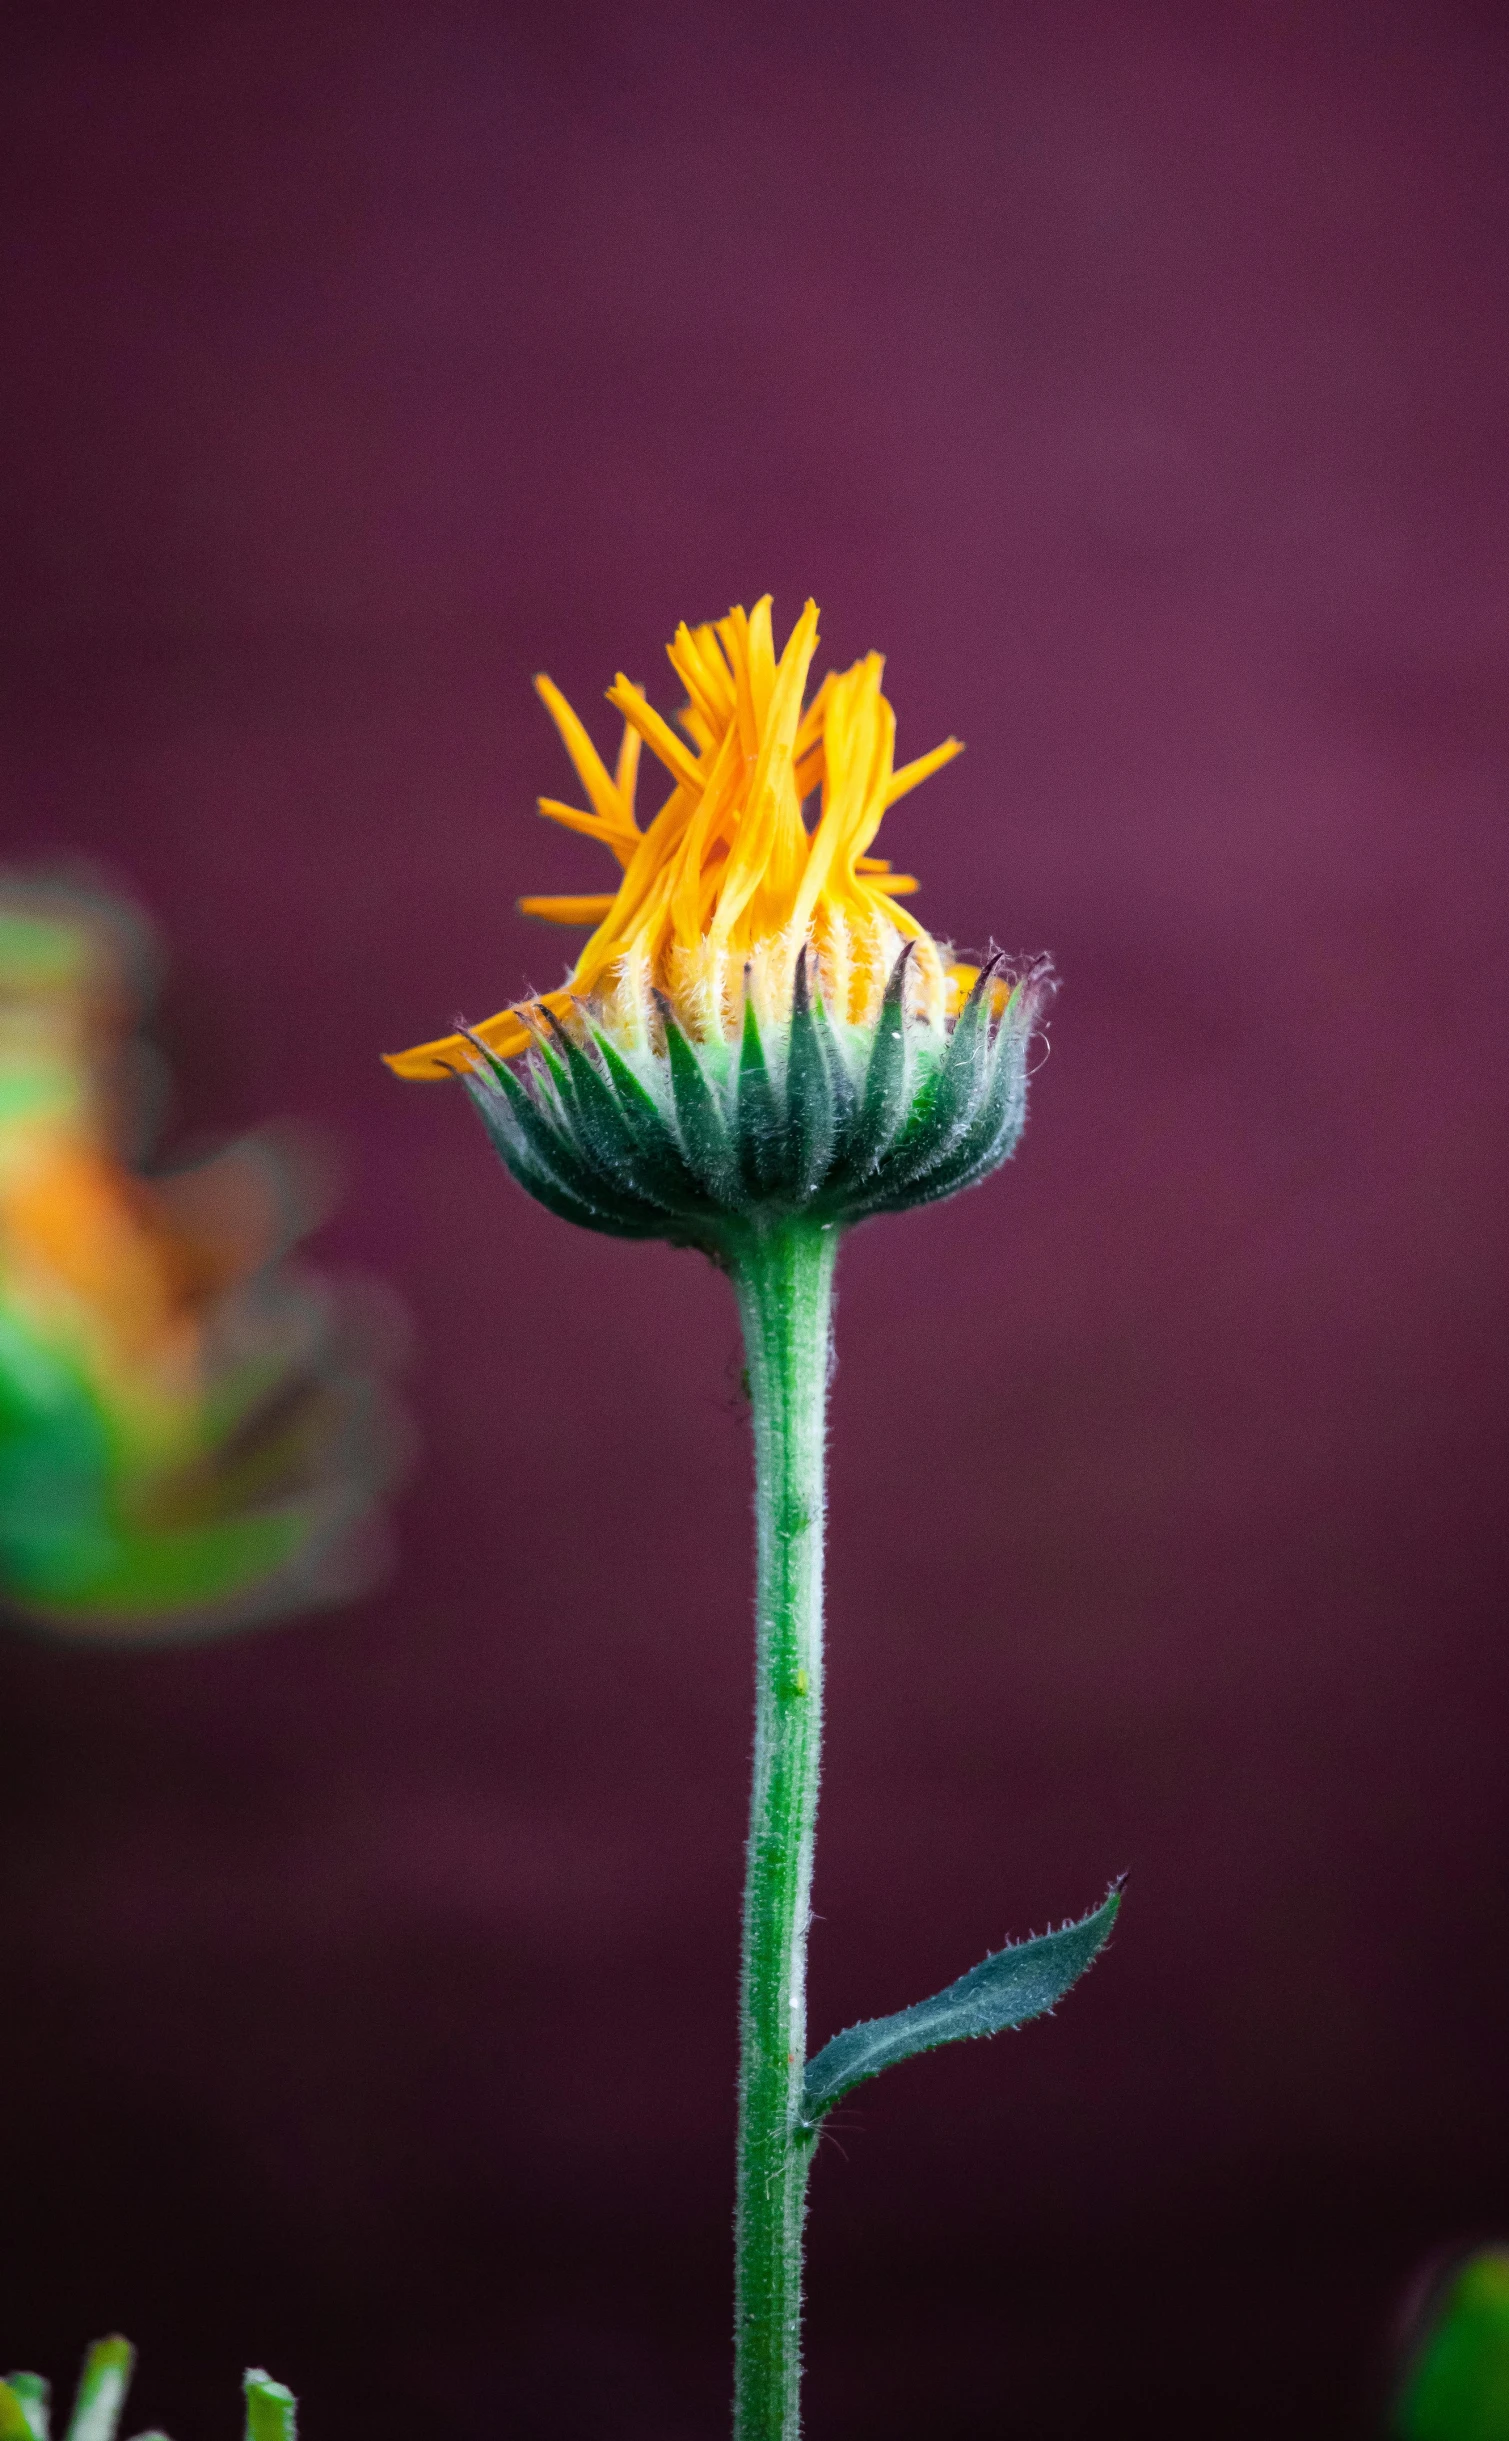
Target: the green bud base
(686, 1141)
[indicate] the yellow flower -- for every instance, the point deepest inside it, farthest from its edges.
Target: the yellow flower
(727, 885)
(758, 1026)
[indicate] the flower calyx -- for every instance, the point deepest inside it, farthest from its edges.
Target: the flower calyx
(699, 1142)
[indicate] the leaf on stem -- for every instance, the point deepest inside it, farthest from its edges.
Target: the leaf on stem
(1006, 1989)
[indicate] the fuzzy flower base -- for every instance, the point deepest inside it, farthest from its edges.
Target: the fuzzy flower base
(689, 1141)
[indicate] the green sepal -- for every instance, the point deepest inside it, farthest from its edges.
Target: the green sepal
(884, 1103)
(992, 1141)
(989, 1138)
(959, 1085)
(1456, 2383)
(1006, 1989)
(600, 1127)
(545, 1152)
(582, 1203)
(658, 1158)
(705, 1139)
(271, 2410)
(810, 1111)
(761, 1162)
(688, 1141)
(543, 1144)
(101, 2393)
(843, 1090)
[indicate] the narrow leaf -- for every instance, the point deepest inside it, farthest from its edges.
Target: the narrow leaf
(32, 2396)
(101, 2393)
(1006, 1989)
(15, 2423)
(271, 2410)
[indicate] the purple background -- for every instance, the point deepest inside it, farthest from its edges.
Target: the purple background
(1136, 376)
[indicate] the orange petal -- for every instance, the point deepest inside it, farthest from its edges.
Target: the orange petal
(961, 981)
(452, 1055)
(583, 910)
(661, 740)
(590, 768)
(911, 775)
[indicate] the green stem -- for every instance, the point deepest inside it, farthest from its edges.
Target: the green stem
(783, 1277)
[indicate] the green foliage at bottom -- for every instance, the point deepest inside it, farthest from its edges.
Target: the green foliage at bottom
(26, 2401)
(1456, 2387)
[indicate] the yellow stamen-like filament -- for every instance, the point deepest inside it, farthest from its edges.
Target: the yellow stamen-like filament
(727, 883)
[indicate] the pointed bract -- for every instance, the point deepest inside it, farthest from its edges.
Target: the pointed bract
(689, 1144)
(810, 1113)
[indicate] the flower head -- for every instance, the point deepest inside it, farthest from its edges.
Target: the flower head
(756, 1017)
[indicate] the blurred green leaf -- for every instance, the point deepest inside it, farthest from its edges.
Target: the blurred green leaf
(101, 2393)
(32, 2396)
(271, 2414)
(15, 2423)
(1456, 2387)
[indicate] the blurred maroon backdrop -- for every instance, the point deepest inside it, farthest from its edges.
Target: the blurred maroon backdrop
(1136, 376)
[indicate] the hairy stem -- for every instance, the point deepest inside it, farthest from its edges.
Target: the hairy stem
(783, 1277)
